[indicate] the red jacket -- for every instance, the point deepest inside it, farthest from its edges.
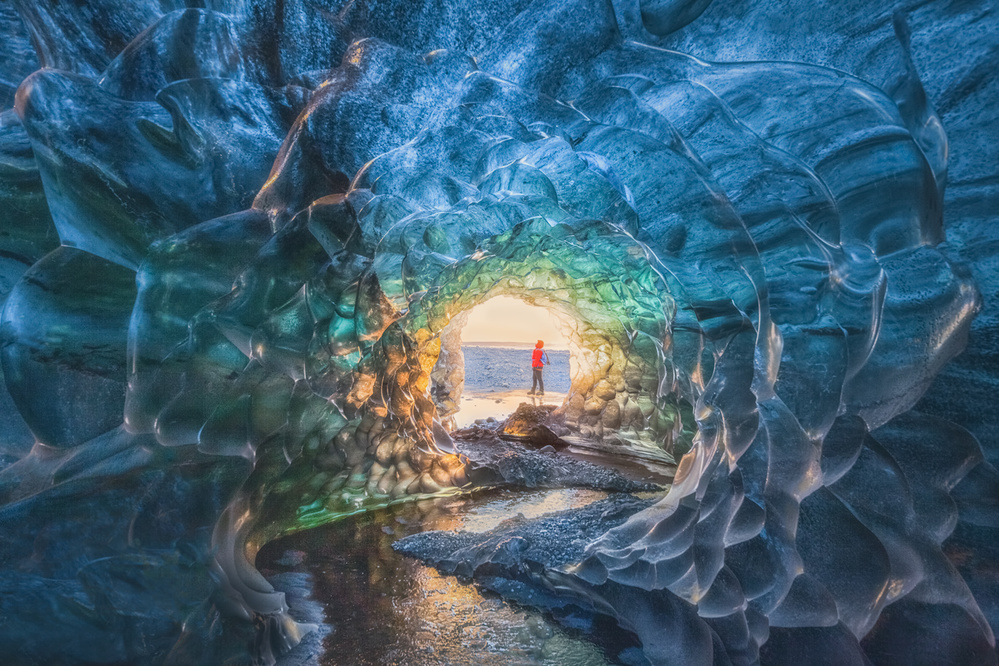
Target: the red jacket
(538, 358)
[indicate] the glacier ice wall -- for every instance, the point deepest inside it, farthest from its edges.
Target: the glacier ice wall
(235, 236)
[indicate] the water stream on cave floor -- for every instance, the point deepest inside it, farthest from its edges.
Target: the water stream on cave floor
(382, 608)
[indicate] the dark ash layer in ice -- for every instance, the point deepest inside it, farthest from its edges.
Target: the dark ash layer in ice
(520, 544)
(504, 463)
(526, 561)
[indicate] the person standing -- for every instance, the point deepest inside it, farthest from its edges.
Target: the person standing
(539, 359)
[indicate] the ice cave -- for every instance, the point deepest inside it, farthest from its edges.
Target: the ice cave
(239, 240)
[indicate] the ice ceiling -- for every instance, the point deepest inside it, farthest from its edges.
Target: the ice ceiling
(234, 236)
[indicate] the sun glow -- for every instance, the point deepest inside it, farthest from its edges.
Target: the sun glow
(510, 320)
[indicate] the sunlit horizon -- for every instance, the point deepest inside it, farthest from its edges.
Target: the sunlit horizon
(511, 321)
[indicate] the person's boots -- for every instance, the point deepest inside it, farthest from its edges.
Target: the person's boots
(531, 392)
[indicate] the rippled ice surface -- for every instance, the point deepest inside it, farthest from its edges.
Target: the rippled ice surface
(382, 608)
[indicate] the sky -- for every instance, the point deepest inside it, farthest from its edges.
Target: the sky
(506, 319)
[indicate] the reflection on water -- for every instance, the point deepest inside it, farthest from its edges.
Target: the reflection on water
(479, 405)
(386, 609)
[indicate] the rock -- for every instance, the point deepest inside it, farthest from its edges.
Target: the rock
(529, 424)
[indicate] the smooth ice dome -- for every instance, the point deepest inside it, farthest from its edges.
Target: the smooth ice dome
(239, 242)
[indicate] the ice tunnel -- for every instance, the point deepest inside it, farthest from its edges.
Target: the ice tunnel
(238, 242)
(574, 274)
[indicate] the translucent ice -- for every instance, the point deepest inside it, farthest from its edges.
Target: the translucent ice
(239, 242)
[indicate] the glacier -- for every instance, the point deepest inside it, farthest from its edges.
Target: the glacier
(239, 239)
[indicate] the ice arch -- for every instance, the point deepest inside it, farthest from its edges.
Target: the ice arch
(291, 224)
(601, 281)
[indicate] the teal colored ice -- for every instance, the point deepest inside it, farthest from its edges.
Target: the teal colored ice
(238, 243)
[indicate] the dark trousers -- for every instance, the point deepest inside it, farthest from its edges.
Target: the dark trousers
(539, 380)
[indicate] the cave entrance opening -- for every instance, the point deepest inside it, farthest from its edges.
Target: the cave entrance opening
(614, 308)
(484, 369)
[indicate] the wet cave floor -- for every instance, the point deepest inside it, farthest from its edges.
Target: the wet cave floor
(481, 405)
(376, 606)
